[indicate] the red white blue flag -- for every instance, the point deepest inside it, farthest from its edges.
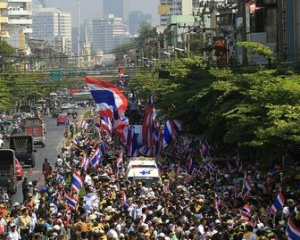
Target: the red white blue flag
(278, 203)
(292, 231)
(77, 182)
(71, 201)
(109, 99)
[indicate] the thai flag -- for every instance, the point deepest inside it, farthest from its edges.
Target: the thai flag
(278, 203)
(203, 148)
(105, 124)
(292, 231)
(123, 195)
(85, 162)
(77, 182)
(119, 164)
(94, 160)
(108, 98)
(190, 165)
(246, 210)
(209, 166)
(171, 131)
(71, 201)
(84, 124)
(121, 123)
(159, 165)
(247, 187)
(74, 143)
(166, 187)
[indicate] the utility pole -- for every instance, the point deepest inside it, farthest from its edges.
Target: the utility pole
(280, 29)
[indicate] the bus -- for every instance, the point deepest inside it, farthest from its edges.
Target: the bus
(82, 98)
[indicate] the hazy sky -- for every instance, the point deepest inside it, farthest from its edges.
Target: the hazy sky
(92, 8)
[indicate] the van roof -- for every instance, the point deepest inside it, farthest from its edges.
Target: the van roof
(143, 173)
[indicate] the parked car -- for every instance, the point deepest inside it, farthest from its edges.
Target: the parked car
(56, 112)
(63, 118)
(19, 169)
(65, 106)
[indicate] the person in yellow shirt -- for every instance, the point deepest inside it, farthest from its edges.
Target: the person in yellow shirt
(24, 223)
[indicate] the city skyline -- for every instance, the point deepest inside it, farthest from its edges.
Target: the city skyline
(93, 8)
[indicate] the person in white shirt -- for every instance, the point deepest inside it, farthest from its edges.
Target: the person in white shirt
(13, 233)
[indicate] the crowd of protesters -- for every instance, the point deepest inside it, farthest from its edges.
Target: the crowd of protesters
(226, 200)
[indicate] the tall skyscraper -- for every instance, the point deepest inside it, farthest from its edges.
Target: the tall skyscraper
(53, 25)
(135, 19)
(108, 33)
(119, 8)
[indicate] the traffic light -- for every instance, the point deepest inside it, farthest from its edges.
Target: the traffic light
(220, 49)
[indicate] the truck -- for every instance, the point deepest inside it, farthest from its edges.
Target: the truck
(36, 128)
(23, 146)
(8, 178)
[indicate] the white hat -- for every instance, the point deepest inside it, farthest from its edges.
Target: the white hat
(52, 205)
(30, 183)
(162, 235)
(12, 225)
(56, 227)
(217, 221)
(16, 204)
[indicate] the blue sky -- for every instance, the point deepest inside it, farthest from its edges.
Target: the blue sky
(92, 8)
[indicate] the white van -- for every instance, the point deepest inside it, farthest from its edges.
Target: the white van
(143, 169)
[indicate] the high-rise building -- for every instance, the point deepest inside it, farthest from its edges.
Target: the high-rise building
(135, 19)
(3, 20)
(53, 25)
(119, 8)
(108, 33)
(175, 7)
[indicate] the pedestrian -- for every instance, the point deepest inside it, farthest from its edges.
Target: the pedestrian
(47, 169)
(25, 188)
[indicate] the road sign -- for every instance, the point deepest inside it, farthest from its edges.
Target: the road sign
(55, 76)
(66, 122)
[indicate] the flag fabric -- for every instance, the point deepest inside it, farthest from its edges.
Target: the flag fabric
(119, 164)
(94, 160)
(171, 131)
(109, 99)
(292, 231)
(74, 143)
(209, 166)
(246, 210)
(203, 148)
(77, 182)
(106, 124)
(84, 124)
(190, 165)
(84, 162)
(278, 203)
(247, 188)
(71, 201)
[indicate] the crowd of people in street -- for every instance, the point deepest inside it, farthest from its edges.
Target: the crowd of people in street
(195, 199)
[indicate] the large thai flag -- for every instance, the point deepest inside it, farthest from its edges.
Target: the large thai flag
(94, 160)
(109, 99)
(77, 182)
(278, 203)
(105, 124)
(132, 142)
(292, 231)
(171, 131)
(71, 201)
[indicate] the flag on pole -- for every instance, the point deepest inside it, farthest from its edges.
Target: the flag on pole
(278, 203)
(109, 99)
(77, 181)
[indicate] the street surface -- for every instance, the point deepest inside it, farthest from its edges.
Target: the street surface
(54, 143)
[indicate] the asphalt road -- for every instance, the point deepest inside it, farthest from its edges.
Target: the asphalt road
(54, 143)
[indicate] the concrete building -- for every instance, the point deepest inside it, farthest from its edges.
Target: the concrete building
(53, 25)
(168, 8)
(3, 20)
(108, 33)
(135, 19)
(119, 8)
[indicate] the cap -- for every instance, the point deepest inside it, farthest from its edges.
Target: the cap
(56, 227)
(30, 183)
(217, 221)
(12, 225)
(16, 204)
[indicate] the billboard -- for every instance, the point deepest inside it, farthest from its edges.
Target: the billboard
(163, 9)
